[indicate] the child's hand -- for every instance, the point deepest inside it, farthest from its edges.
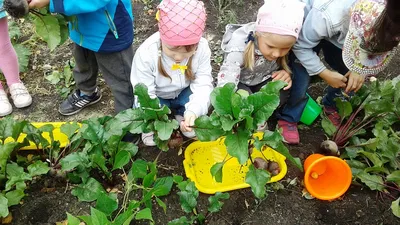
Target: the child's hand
(354, 81)
(37, 4)
(188, 121)
(334, 79)
(283, 76)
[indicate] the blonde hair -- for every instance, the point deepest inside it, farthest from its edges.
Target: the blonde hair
(249, 58)
(188, 72)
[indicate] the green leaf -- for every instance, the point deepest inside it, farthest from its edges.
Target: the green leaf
(257, 179)
(274, 140)
(215, 203)
(352, 152)
(177, 178)
(237, 145)
(162, 205)
(18, 128)
(227, 122)
(394, 177)
(162, 186)
(264, 106)
(89, 191)
(206, 131)
(121, 159)
(188, 196)
(16, 175)
(99, 161)
(374, 182)
(13, 30)
(372, 143)
(129, 147)
(377, 107)
(64, 32)
(38, 168)
(92, 130)
(145, 101)
(139, 168)
(216, 171)
(161, 144)
(48, 28)
(69, 129)
(73, 160)
(72, 220)
(181, 221)
(328, 126)
(107, 203)
(149, 179)
(98, 217)
(344, 107)
(87, 219)
(273, 88)
(373, 157)
(14, 197)
(6, 128)
(126, 217)
(130, 119)
(3, 206)
(165, 129)
(221, 99)
(395, 206)
(23, 54)
(5, 152)
(238, 104)
(144, 214)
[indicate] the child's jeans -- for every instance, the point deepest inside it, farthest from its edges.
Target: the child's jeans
(294, 107)
(178, 104)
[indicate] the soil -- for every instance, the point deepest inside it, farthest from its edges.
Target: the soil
(283, 206)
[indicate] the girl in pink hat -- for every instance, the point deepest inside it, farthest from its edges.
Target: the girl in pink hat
(256, 53)
(175, 64)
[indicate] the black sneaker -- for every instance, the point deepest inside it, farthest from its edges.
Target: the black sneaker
(75, 102)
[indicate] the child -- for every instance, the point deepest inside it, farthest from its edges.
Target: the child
(9, 66)
(103, 34)
(255, 53)
(175, 64)
(365, 47)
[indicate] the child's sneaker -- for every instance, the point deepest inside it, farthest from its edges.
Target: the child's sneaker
(190, 134)
(76, 102)
(289, 132)
(333, 115)
(148, 139)
(5, 106)
(20, 95)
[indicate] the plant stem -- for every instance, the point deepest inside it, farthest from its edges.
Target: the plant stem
(394, 133)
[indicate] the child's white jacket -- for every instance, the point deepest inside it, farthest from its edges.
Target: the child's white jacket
(145, 70)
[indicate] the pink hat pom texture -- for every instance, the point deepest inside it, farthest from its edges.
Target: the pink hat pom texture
(182, 22)
(283, 17)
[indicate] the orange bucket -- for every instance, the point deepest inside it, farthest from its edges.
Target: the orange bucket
(326, 177)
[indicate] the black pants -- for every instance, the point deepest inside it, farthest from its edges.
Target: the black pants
(116, 70)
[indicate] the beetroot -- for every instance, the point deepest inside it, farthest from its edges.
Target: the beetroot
(270, 166)
(16, 8)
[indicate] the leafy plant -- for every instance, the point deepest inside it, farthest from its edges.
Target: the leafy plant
(237, 118)
(63, 79)
(13, 177)
(188, 195)
(367, 136)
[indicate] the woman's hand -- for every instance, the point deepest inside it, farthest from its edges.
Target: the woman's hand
(283, 76)
(37, 4)
(188, 121)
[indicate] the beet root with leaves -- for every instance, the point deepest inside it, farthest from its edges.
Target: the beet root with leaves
(369, 138)
(237, 117)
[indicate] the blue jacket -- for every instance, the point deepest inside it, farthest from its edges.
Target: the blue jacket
(99, 25)
(323, 20)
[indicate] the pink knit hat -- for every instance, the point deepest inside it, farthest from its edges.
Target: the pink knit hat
(181, 22)
(283, 17)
